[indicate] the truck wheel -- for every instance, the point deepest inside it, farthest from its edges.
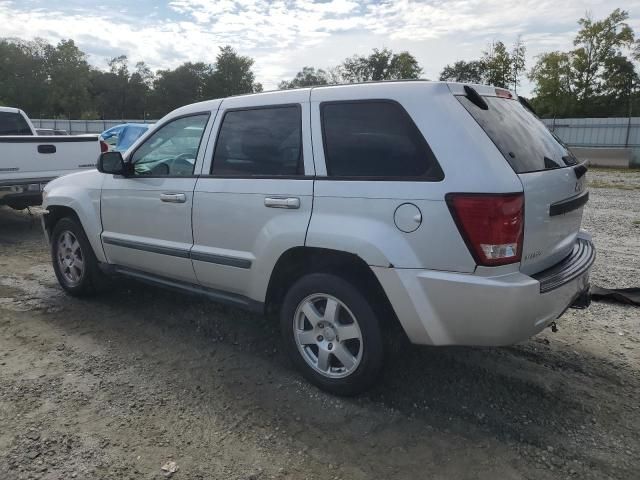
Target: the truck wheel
(74, 262)
(332, 334)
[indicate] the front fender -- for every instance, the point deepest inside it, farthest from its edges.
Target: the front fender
(80, 193)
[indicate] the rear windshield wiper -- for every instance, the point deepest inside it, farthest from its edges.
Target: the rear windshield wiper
(475, 98)
(525, 103)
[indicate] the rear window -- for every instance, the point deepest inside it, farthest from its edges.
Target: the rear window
(520, 136)
(261, 141)
(13, 124)
(375, 139)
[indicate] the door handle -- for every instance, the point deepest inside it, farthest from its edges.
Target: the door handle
(279, 202)
(173, 197)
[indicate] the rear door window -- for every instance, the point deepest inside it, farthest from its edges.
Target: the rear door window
(520, 136)
(265, 141)
(375, 139)
(13, 124)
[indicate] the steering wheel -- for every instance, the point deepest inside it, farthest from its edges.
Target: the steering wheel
(160, 169)
(182, 162)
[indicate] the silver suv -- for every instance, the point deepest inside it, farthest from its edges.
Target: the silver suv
(447, 208)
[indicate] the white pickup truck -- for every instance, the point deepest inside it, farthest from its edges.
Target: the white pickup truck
(28, 161)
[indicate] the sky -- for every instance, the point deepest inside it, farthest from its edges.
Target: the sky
(285, 35)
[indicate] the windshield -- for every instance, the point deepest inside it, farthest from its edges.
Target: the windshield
(520, 136)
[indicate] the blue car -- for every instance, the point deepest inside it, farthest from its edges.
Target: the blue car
(121, 137)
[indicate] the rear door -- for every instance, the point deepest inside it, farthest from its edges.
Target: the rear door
(253, 200)
(554, 183)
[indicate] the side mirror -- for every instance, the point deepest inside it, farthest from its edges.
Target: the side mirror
(111, 162)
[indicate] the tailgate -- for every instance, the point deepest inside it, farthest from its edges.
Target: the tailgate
(553, 205)
(41, 156)
(553, 182)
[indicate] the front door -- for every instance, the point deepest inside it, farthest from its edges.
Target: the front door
(146, 217)
(253, 201)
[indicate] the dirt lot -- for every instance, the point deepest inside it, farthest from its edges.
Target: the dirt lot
(116, 386)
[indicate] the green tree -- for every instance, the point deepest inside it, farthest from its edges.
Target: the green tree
(380, 65)
(596, 78)
(181, 86)
(140, 84)
(24, 75)
(553, 78)
(518, 62)
(464, 72)
(117, 93)
(307, 77)
(597, 43)
(497, 65)
(69, 80)
(231, 75)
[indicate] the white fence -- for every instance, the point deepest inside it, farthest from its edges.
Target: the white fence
(599, 132)
(76, 127)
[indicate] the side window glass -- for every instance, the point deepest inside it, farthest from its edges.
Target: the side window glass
(13, 124)
(375, 139)
(260, 141)
(172, 150)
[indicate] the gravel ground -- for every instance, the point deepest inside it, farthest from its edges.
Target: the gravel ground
(119, 385)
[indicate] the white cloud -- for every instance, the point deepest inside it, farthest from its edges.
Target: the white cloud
(284, 35)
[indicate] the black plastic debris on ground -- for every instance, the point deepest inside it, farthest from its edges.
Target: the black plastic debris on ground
(629, 296)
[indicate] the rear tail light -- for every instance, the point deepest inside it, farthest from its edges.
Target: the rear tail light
(491, 225)
(104, 146)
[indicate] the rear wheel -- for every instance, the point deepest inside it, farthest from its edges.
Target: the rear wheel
(332, 334)
(74, 262)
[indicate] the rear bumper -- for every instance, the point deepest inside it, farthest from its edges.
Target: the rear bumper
(22, 195)
(23, 192)
(445, 308)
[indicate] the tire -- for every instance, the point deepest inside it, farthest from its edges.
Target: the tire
(74, 262)
(318, 341)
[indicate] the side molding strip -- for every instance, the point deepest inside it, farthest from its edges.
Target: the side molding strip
(174, 252)
(181, 253)
(221, 259)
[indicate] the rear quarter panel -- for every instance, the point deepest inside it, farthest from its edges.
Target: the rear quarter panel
(358, 216)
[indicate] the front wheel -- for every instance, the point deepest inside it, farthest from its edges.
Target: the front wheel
(332, 334)
(74, 262)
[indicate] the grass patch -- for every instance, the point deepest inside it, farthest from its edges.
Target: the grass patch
(635, 222)
(634, 170)
(617, 186)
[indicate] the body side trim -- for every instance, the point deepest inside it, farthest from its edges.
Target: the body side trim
(178, 252)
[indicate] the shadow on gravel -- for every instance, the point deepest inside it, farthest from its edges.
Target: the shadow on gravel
(529, 393)
(18, 226)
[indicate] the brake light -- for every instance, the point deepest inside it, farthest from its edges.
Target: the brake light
(492, 225)
(501, 93)
(104, 146)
